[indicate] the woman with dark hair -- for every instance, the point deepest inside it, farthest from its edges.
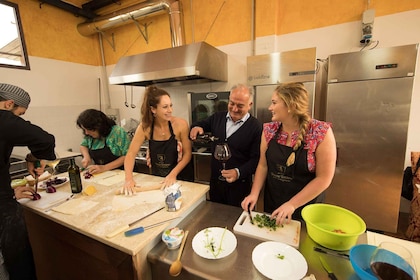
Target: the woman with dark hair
(297, 156)
(169, 145)
(105, 144)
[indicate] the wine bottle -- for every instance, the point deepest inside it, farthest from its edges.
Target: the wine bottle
(205, 138)
(74, 175)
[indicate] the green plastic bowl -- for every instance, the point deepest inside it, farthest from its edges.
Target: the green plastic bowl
(332, 226)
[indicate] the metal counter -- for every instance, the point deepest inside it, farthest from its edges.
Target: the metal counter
(238, 264)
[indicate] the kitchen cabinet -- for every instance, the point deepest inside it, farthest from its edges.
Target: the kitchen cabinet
(202, 167)
(76, 247)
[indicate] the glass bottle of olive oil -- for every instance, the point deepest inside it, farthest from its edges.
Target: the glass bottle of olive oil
(74, 175)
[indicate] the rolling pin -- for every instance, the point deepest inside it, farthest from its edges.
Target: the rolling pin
(142, 189)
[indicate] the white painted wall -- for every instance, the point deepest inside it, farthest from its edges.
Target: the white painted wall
(59, 92)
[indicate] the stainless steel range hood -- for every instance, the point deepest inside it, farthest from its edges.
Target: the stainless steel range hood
(193, 63)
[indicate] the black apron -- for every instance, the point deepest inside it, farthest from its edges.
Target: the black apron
(163, 154)
(103, 156)
(283, 182)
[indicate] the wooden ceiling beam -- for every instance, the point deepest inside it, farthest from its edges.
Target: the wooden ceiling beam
(89, 14)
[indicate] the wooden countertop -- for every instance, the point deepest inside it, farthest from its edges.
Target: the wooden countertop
(106, 211)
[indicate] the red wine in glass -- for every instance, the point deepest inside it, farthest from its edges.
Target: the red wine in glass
(392, 261)
(388, 271)
(222, 153)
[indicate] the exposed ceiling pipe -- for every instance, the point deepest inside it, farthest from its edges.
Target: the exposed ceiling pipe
(253, 36)
(138, 11)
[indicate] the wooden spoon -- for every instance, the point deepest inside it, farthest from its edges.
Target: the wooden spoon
(142, 189)
(176, 266)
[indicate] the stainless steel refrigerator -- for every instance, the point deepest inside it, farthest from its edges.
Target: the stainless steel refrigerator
(368, 103)
(266, 71)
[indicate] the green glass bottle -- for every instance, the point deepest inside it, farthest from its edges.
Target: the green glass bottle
(74, 175)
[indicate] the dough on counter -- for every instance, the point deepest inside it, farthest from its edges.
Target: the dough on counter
(123, 202)
(75, 206)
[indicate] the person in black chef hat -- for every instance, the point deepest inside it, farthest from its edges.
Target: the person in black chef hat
(15, 131)
(170, 149)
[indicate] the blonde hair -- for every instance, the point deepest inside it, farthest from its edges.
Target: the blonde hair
(296, 98)
(152, 97)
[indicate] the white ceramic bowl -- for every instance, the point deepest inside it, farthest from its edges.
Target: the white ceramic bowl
(173, 237)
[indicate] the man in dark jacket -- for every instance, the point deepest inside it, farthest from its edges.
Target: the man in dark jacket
(15, 131)
(242, 132)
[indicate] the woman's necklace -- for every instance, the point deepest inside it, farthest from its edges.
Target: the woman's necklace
(162, 131)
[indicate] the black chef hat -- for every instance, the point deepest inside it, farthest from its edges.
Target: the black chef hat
(18, 95)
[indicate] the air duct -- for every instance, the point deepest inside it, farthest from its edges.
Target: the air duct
(181, 64)
(136, 12)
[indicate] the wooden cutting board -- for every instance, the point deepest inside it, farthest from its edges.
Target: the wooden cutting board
(288, 234)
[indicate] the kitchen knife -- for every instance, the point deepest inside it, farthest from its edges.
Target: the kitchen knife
(250, 215)
(331, 274)
(124, 228)
(37, 164)
(332, 253)
(138, 230)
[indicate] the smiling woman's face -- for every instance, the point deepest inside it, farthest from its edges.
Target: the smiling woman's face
(164, 109)
(278, 108)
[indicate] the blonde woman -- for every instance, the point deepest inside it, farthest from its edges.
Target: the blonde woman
(297, 156)
(169, 146)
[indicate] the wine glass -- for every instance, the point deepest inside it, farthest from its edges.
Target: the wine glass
(391, 261)
(53, 163)
(222, 153)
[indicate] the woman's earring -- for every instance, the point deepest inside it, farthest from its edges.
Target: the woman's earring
(288, 111)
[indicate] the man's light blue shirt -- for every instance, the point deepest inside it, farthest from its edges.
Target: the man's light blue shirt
(232, 126)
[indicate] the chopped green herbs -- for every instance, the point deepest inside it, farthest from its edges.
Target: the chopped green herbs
(265, 221)
(280, 256)
(210, 245)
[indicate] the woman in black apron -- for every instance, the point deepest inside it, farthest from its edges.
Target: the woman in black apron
(294, 145)
(169, 145)
(163, 153)
(284, 181)
(105, 144)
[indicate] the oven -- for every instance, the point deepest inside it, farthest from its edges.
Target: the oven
(202, 105)
(141, 164)
(18, 168)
